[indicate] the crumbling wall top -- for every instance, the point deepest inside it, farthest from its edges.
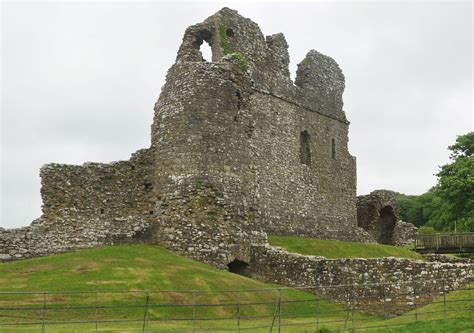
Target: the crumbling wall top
(319, 83)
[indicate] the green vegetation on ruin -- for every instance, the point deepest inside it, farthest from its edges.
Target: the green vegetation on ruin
(239, 56)
(224, 39)
(147, 267)
(334, 249)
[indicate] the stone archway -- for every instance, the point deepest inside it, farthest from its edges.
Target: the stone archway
(238, 267)
(385, 225)
(378, 214)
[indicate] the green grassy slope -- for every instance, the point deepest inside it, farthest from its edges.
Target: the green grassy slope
(139, 267)
(117, 268)
(334, 249)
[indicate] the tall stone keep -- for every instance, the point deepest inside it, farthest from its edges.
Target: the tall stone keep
(275, 150)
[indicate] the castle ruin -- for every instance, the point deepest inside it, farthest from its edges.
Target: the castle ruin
(238, 150)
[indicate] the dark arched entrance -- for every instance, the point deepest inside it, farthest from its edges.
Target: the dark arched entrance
(238, 267)
(385, 225)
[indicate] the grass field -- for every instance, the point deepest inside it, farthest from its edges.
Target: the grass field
(137, 268)
(334, 249)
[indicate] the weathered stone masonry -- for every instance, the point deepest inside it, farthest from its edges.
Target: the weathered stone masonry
(237, 151)
(272, 154)
(393, 282)
(241, 131)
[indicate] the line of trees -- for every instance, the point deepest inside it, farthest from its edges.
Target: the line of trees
(449, 205)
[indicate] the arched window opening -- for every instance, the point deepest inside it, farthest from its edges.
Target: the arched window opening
(333, 148)
(305, 150)
(238, 267)
(206, 51)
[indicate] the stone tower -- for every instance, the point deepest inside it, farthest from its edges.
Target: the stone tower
(276, 152)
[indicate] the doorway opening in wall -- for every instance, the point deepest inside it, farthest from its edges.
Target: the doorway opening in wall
(385, 226)
(206, 51)
(238, 267)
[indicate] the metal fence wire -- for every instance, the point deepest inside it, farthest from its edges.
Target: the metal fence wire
(304, 309)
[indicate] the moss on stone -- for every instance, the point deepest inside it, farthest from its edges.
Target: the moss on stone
(224, 40)
(240, 57)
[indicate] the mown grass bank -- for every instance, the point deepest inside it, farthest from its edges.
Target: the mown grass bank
(334, 249)
(159, 288)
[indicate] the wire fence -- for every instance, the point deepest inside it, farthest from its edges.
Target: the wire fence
(258, 310)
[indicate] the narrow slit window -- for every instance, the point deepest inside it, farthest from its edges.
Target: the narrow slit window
(305, 150)
(333, 148)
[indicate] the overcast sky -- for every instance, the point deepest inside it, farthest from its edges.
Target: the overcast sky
(79, 81)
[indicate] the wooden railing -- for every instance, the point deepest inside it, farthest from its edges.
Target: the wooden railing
(445, 243)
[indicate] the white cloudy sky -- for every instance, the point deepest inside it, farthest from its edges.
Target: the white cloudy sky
(79, 81)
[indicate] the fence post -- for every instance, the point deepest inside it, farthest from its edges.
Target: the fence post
(194, 311)
(96, 311)
(43, 326)
(414, 301)
(277, 313)
(317, 308)
(279, 310)
(470, 299)
(444, 297)
(353, 305)
(238, 311)
(145, 315)
(384, 305)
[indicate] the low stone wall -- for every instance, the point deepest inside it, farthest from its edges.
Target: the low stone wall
(41, 239)
(398, 283)
(435, 257)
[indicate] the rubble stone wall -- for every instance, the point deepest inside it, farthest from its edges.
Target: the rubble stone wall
(378, 214)
(43, 238)
(98, 190)
(396, 282)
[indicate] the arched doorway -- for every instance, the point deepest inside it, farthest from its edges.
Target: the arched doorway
(385, 225)
(238, 267)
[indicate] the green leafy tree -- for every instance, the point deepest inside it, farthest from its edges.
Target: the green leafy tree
(455, 188)
(450, 204)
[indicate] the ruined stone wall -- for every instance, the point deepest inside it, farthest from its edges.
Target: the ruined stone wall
(378, 214)
(198, 222)
(404, 280)
(404, 233)
(315, 199)
(43, 237)
(98, 190)
(86, 206)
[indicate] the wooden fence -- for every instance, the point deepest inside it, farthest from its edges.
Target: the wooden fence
(445, 243)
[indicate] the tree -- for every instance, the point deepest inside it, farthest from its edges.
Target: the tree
(455, 188)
